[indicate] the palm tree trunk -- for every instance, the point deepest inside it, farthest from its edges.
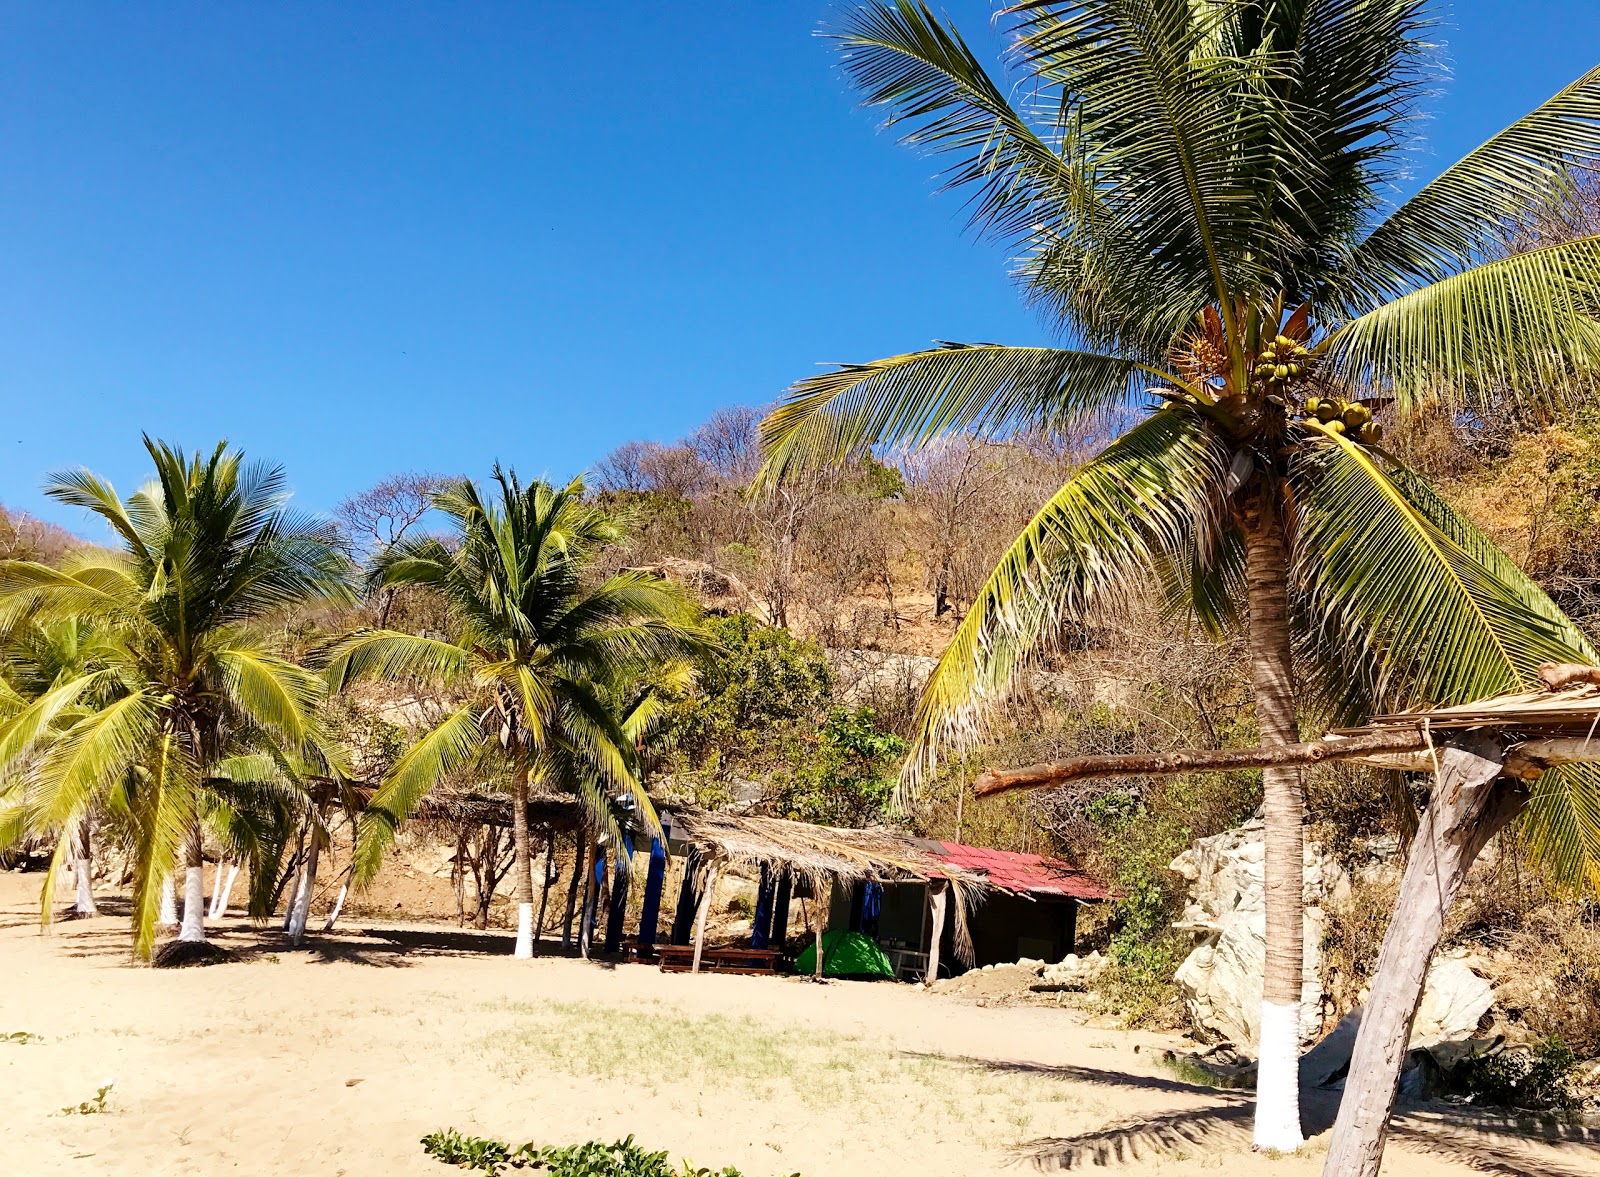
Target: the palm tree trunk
(168, 915)
(544, 891)
(1277, 1123)
(223, 891)
(301, 911)
(522, 866)
(1470, 804)
(194, 889)
(81, 866)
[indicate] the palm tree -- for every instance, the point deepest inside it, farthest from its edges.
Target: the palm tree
(185, 717)
(34, 660)
(1194, 192)
(535, 645)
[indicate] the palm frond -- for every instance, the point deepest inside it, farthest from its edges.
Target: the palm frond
(909, 399)
(1396, 611)
(1450, 223)
(393, 656)
(271, 691)
(1087, 550)
(1530, 322)
(455, 742)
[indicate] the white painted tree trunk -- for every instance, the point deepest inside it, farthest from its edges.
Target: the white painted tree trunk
(1277, 1091)
(168, 917)
(81, 871)
(223, 889)
(300, 911)
(194, 905)
(524, 949)
(338, 905)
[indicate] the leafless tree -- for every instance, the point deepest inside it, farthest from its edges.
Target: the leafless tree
(376, 519)
(730, 443)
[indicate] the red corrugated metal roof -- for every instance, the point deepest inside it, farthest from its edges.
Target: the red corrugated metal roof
(1030, 873)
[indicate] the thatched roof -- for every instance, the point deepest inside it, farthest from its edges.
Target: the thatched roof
(818, 853)
(1574, 711)
(824, 854)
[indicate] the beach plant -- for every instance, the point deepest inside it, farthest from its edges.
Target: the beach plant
(623, 1158)
(537, 654)
(1196, 196)
(94, 1105)
(184, 718)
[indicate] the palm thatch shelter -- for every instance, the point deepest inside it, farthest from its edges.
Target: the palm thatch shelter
(893, 885)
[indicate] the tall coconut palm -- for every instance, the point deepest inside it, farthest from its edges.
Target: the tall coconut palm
(1195, 194)
(185, 717)
(535, 644)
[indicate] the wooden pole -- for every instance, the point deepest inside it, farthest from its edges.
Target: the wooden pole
(705, 911)
(1471, 802)
(938, 890)
(1061, 772)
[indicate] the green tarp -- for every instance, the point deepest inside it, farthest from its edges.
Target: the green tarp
(845, 954)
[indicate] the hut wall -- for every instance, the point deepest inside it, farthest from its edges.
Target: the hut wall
(1006, 928)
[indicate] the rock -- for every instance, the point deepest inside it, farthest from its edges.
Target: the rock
(1453, 1003)
(1327, 1063)
(1221, 979)
(1072, 973)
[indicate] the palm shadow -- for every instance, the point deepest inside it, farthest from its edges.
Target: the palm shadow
(1483, 1141)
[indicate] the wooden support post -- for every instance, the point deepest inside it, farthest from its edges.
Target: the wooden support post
(650, 913)
(761, 924)
(780, 912)
(705, 912)
(938, 893)
(1471, 802)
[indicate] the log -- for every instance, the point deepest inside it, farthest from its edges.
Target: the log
(1472, 801)
(1060, 772)
(1558, 676)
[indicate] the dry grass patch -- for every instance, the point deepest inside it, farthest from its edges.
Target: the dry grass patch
(861, 1084)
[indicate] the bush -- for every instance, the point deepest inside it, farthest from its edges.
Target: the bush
(594, 1159)
(1537, 1080)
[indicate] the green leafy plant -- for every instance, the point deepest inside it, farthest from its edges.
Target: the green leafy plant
(94, 1105)
(21, 1038)
(1538, 1079)
(623, 1158)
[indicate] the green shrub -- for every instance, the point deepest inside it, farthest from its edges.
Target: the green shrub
(1539, 1079)
(593, 1159)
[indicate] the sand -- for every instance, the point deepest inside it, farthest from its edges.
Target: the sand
(336, 1059)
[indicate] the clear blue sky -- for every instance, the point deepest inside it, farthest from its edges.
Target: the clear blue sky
(362, 238)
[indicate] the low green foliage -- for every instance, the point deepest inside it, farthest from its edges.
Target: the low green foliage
(623, 1158)
(1538, 1080)
(20, 1038)
(94, 1105)
(849, 775)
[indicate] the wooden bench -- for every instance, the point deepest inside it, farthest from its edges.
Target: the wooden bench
(679, 958)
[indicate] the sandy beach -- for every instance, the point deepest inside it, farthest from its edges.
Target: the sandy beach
(336, 1058)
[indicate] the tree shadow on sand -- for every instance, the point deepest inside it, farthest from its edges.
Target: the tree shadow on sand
(1485, 1142)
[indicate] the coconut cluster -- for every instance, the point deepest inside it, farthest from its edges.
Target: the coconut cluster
(1350, 418)
(1280, 364)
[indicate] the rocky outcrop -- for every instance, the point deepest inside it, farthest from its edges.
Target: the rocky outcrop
(1220, 980)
